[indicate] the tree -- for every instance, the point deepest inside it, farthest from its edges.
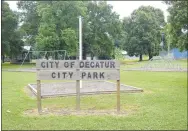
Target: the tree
(143, 31)
(11, 40)
(168, 36)
(102, 28)
(127, 30)
(30, 21)
(179, 24)
(58, 27)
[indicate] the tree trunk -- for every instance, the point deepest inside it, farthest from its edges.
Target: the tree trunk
(84, 52)
(92, 56)
(3, 58)
(84, 56)
(46, 57)
(140, 58)
(150, 56)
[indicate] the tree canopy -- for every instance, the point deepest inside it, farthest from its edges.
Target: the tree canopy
(53, 25)
(102, 28)
(30, 21)
(178, 20)
(11, 40)
(143, 31)
(57, 26)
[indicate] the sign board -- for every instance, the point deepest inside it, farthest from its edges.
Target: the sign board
(77, 70)
(78, 75)
(77, 64)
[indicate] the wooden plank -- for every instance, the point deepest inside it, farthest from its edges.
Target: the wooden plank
(77, 92)
(78, 75)
(39, 97)
(56, 64)
(118, 96)
(77, 64)
(57, 75)
(99, 64)
(99, 75)
(77, 95)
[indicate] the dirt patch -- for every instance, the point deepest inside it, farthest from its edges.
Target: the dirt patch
(130, 109)
(148, 92)
(64, 112)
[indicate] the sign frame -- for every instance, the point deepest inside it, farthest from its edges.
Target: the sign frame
(77, 71)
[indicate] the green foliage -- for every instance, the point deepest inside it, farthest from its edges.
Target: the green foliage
(11, 40)
(102, 28)
(178, 20)
(69, 37)
(118, 54)
(53, 25)
(168, 35)
(143, 31)
(58, 27)
(30, 21)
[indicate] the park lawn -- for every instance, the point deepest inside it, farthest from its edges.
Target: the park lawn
(7, 65)
(162, 105)
(128, 64)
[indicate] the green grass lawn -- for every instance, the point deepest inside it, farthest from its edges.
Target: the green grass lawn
(7, 65)
(127, 64)
(162, 105)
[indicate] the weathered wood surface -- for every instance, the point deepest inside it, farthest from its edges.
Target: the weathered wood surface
(100, 75)
(57, 75)
(77, 64)
(118, 96)
(39, 105)
(77, 95)
(78, 75)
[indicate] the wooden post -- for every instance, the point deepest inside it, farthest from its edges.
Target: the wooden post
(77, 93)
(39, 97)
(118, 94)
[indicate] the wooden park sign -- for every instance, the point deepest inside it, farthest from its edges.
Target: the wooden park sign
(77, 70)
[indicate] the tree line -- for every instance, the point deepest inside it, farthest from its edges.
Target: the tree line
(53, 25)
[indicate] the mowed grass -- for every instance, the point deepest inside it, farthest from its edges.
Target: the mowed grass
(7, 65)
(127, 64)
(162, 105)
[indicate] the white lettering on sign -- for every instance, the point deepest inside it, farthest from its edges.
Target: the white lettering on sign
(77, 64)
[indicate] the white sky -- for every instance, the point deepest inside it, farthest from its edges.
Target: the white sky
(123, 8)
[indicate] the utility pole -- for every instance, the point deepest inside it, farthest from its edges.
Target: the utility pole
(80, 42)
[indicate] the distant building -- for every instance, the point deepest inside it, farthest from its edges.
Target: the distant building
(179, 55)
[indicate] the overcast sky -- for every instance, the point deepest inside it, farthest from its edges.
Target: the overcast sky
(123, 8)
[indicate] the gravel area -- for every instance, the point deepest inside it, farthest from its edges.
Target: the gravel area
(88, 87)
